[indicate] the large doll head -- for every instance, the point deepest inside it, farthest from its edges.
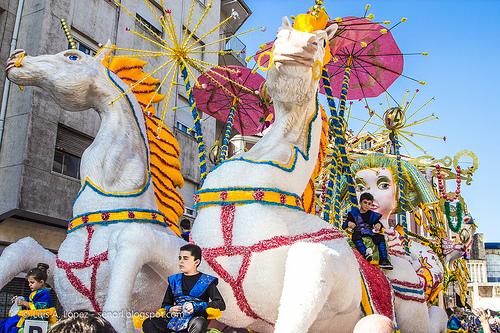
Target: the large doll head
(377, 174)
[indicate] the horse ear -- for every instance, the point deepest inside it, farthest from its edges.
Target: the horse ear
(331, 30)
(285, 23)
(104, 51)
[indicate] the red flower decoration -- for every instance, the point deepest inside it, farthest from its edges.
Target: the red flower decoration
(153, 215)
(223, 195)
(196, 198)
(258, 195)
(85, 219)
(282, 198)
(298, 202)
(131, 215)
(105, 216)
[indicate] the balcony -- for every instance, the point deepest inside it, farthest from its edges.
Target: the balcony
(241, 10)
(237, 58)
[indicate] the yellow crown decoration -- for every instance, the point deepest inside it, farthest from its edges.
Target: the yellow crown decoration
(315, 19)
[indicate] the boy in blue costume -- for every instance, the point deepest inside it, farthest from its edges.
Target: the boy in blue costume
(188, 296)
(365, 222)
(38, 299)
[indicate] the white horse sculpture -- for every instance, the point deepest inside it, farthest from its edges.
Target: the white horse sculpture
(119, 242)
(281, 269)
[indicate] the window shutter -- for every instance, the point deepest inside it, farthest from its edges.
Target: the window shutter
(72, 142)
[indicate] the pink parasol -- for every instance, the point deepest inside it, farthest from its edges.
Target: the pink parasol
(221, 86)
(371, 53)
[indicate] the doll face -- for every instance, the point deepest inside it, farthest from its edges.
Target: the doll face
(379, 183)
(34, 284)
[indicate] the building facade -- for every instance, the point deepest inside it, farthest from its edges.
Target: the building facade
(41, 144)
(484, 270)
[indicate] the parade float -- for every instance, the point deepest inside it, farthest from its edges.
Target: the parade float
(267, 218)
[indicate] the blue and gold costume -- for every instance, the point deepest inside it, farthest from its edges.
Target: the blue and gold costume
(200, 290)
(38, 299)
(175, 282)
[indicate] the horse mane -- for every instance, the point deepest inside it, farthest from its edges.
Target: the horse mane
(309, 193)
(165, 166)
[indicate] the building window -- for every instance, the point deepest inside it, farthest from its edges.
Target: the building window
(485, 291)
(183, 128)
(84, 48)
(66, 164)
(366, 144)
(189, 212)
(148, 24)
(83, 43)
(69, 149)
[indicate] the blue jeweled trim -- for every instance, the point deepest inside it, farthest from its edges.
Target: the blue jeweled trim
(98, 191)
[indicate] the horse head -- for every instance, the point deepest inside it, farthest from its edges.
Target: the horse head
(74, 79)
(298, 60)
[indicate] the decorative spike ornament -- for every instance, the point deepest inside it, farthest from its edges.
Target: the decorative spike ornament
(67, 32)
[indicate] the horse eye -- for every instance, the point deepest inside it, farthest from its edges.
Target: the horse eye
(324, 42)
(73, 57)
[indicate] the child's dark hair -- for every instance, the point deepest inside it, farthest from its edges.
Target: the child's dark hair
(186, 224)
(82, 321)
(194, 249)
(366, 196)
(39, 273)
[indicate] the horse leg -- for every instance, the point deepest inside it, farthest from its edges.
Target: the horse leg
(309, 280)
(438, 320)
(131, 249)
(411, 316)
(23, 255)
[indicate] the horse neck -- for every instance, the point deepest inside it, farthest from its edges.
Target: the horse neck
(295, 126)
(117, 160)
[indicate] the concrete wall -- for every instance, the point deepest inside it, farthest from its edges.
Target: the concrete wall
(27, 182)
(7, 18)
(477, 250)
(49, 237)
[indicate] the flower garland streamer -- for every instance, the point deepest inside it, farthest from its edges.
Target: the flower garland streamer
(402, 197)
(227, 133)
(459, 215)
(340, 162)
(197, 125)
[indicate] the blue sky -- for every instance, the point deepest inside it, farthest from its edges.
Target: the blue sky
(462, 72)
